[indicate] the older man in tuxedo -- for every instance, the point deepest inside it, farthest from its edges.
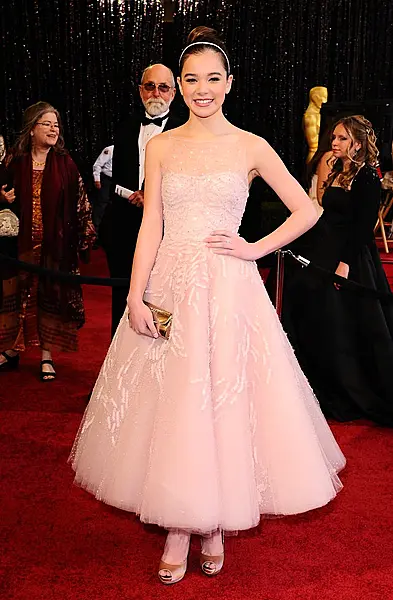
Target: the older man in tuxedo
(157, 91)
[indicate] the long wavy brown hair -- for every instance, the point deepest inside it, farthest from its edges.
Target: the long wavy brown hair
(359, 130)
(31, 116)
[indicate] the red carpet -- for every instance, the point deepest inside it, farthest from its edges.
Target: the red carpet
(58, 543)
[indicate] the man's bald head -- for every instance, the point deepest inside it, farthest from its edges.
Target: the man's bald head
(158, 70)
(157, 89)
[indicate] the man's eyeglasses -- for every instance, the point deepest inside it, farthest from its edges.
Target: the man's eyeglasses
(150, 87)
(48, 124)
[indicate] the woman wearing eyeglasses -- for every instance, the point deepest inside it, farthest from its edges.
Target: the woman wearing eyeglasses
(46, 191)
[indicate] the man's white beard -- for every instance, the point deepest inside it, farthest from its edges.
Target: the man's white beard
(156, 106)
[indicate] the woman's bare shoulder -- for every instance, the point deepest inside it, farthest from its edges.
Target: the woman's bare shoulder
(328, 157)
(158, 145)
(253, 141)
(173, 133)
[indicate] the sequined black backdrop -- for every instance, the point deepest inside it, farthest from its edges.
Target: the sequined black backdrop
(282, 48)
(83, 56)
(86, 56)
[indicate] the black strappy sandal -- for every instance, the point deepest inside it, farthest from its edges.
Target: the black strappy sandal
(47, 375)
(11, 362)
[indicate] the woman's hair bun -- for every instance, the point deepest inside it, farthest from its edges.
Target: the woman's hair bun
(204, 34)
(195, 45)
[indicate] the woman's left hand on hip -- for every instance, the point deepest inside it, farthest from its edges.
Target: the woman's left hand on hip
(231, 244)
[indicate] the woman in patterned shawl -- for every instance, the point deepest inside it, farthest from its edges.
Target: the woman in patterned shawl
(46, 191)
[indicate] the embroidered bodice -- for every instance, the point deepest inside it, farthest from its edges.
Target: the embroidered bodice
(204, 187)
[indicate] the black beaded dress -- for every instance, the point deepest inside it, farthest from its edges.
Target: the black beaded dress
(343, 340)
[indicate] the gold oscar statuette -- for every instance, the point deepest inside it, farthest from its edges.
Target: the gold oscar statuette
(312, 118)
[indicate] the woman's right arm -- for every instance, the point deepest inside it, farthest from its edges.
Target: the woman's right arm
(323, 169)
(149, 239)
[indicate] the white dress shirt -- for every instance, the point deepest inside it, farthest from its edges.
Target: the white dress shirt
(145, 134)
(103, 164)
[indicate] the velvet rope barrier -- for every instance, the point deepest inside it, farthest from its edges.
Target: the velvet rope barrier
(346, 284)
(63, 276)
(329, 276)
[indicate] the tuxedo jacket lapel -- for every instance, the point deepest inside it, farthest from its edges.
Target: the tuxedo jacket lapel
(171, 123)
(126, 154)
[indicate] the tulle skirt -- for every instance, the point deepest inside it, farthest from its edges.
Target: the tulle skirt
(217, 425)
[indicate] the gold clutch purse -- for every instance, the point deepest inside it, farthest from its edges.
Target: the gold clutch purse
(162, 319)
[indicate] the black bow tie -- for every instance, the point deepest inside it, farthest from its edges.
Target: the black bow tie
(156, 121)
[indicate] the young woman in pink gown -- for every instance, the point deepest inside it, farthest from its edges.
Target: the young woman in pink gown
(206, 431)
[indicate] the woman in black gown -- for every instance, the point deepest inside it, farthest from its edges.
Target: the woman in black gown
(343, 340)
